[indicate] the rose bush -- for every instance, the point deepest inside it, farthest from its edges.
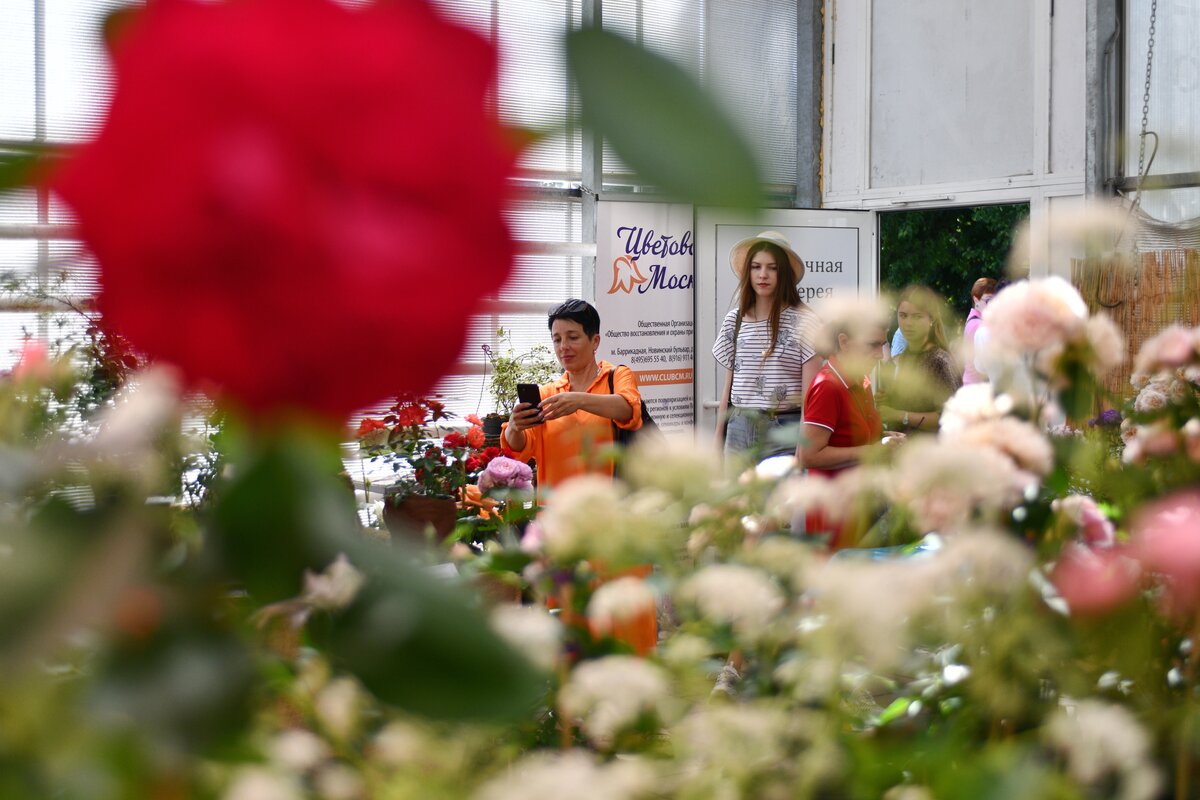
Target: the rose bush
(321, 167)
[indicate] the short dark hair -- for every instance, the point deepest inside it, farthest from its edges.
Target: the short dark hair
(579, 311)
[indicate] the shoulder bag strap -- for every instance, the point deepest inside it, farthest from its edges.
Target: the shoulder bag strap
(737, 327)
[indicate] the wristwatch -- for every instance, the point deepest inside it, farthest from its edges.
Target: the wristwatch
(904, 421)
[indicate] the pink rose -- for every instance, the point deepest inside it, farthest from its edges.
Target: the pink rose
(1095, 581)
(1167, 541)
(503, 471)
(1174, 347)
(1095, 528)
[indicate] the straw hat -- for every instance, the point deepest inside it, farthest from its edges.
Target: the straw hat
(737, 256)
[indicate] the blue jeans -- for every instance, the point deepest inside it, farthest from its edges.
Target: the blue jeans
(748, 429)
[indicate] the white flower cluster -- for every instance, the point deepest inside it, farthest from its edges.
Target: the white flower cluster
(531, 630)
(619, 601)
(742, 597)
(575, 774)
(590, 517)
(681, 466)
(609, 694)
(870, 606)
(836, 498)
(1101, 740)
(1023, 443)
(946, 485)
(973, 403)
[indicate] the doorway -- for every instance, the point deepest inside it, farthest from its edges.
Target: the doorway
(946, 249)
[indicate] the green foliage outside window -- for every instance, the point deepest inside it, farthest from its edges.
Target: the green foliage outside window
(947, 249)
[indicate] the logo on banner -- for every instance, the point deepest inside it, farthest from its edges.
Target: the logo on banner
(626, 275)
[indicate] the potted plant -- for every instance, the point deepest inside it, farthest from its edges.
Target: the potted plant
(432, 465)
(536, 365)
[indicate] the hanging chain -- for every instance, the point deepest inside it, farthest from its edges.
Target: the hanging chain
(1146, 93)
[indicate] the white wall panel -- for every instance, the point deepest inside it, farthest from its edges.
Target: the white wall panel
(951, 91)
(1067, 87)
(952, 102)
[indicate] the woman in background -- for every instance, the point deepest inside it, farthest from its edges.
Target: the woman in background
(982, 292)
(765, 345)
(923, 377)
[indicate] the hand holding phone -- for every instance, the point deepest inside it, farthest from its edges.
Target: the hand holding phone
(529, 393)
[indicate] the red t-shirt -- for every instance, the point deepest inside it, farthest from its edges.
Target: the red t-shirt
(846, 410)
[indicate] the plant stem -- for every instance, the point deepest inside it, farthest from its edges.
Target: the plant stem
(1183, 760)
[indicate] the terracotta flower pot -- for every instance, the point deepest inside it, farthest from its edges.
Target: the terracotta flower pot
(412, 514)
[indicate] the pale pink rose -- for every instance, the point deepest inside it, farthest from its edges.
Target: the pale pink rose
(1095, 581)
(1167, 541)
(1150, 399)
(1032, 315)
(1015, 438)
(504, 472)
(1174, 347)
(1128, 431)
(1158, 439)
(1095, 529)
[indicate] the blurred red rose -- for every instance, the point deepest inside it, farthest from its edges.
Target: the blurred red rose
(269, 169)
(454, 439)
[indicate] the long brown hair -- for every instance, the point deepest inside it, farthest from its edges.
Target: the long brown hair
(786, 295)
(927, 300)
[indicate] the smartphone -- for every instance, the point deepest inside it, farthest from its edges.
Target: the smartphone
(528, 393)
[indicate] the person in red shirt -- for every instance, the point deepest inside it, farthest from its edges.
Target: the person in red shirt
(841, 422)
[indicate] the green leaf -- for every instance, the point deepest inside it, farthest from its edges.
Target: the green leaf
(897, 709)
(414, 640)
(661, 122)
(18, 169)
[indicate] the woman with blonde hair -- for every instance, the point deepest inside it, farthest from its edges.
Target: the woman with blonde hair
(913, 390)
(765, 346)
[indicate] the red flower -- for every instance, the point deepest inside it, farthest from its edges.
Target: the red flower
(475, 436)
(473, 419)
(454, 439)
(368, 425)
(252, 196)
(407, 416)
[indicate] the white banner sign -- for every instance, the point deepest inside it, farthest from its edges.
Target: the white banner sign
(644, 277)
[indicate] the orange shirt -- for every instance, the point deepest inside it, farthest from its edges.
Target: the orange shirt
(574, 444)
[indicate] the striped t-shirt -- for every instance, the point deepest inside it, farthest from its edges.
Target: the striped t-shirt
(761, 381)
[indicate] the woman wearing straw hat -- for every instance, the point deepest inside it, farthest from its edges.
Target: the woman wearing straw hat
(765, 345)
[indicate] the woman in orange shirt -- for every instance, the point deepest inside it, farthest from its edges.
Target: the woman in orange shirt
(569, 431)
